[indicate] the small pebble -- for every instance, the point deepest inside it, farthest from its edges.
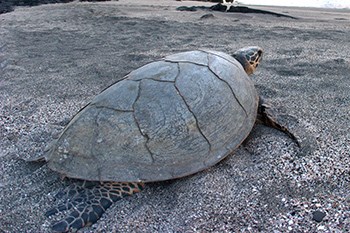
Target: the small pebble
(318, 215)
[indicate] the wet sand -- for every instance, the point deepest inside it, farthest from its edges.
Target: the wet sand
(55, 58)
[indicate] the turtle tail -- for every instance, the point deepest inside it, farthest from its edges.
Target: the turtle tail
(88, 202)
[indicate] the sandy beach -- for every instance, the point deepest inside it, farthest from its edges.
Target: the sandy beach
(55, 58)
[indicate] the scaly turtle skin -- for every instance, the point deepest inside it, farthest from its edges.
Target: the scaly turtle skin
(165, 120)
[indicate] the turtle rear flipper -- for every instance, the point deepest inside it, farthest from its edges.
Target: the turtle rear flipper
(88, 202)
(267, 117)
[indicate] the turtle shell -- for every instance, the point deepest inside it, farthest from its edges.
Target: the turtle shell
(165, 120)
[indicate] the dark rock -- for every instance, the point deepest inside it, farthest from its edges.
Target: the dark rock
(232, 9)
(219, 7)
(8, 5)
(244, 9)
(95, 0)
(186, 8)
(318, 216)
(207, 16)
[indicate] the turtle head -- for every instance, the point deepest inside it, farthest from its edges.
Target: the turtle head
(249, 57)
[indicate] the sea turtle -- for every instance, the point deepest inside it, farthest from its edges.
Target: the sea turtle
(168, 119)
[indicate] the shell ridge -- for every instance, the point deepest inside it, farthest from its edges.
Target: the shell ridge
(145, 135)
(190, 110)
(188, 62)
(233, 93)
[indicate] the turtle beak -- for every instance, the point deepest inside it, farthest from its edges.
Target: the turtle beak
(250, 69)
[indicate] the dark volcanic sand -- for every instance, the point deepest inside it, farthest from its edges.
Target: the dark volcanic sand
(55, 58)
(9, 5)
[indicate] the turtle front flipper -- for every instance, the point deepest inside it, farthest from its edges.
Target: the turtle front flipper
(267, 117)
(89, 201)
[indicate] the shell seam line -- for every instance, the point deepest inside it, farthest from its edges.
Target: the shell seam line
(162, 81)
(109, 108)
(189, 109)
(138, 125)
(156, 80)
(188, 62)
(233, 93)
